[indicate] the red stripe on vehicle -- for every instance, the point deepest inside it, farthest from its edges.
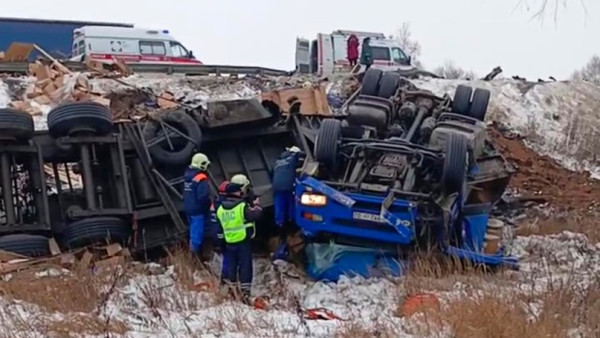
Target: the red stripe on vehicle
(144, 58)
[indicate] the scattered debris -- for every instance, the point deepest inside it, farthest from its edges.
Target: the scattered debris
(491, 75)
(82, 259)
(312, 97)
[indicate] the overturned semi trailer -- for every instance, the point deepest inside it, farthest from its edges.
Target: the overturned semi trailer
(88, 180)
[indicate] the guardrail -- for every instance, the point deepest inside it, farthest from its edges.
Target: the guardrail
(22, 68)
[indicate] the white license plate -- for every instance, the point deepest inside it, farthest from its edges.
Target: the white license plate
(363, 216)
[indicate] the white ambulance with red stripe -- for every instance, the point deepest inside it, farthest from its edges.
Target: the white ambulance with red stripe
(130, 45)
(328, 53)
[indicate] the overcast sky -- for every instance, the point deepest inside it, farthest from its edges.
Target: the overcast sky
(475, 34)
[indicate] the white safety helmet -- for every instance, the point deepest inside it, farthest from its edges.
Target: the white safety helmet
(200, 161)
(241, 180)
(293, 149)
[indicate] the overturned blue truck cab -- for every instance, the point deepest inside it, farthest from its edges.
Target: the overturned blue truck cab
(401, 169)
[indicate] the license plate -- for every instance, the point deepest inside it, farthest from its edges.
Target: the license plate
(363, 216)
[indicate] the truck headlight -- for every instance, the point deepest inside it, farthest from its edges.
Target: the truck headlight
(313, 200)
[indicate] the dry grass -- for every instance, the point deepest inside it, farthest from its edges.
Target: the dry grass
(72, 292)
(585, 224)
(80, 323)
(491, 306)
(434, 272)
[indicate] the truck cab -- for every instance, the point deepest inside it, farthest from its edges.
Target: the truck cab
(328, 53)
(130, 45)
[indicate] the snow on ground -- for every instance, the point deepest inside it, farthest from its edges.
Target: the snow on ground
(155, 304)
(558, 119)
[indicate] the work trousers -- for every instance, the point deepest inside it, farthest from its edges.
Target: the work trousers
(218, 240)
(197, 223)
(284, 207)
(238, 258)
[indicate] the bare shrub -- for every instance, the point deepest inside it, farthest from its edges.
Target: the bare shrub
(405, 39)
(589, 72)
(450, 70)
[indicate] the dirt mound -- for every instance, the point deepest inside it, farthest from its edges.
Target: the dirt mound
(542, 179)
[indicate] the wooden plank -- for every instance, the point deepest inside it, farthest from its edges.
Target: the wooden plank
(18, 51)
(110, 262)
(113, 249)
(54, 249)
(85, 261)
(6, 256)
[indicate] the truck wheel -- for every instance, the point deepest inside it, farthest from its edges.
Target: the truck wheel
(455, 164)
(326, 145)
(182, 151)
(481, 99)
(95, 230)
(15, 124)
(70, 118)
(462, 100)
(370, 83)
(388, 84)
(26, 245)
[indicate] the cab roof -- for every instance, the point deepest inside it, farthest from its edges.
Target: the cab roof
(123, 32)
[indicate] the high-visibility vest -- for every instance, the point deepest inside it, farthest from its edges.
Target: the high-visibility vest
(232, 222)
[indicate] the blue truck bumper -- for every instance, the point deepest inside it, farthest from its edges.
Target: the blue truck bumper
(353, 215)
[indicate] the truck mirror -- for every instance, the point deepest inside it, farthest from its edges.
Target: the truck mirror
(409, 59)
(191, 55)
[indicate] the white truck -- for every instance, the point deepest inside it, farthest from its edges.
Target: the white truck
(327, 53)
(130, 45)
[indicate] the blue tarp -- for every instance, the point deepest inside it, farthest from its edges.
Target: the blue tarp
(328, 262)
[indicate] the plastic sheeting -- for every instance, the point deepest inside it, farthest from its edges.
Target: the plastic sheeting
(329, 261)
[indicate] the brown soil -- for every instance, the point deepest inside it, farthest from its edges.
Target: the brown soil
(540, 178)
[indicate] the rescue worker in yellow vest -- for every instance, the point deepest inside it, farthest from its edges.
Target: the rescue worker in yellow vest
(237, 218)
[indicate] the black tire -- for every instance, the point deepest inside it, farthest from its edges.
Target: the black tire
(15, 124)
(69, 118)
(370, 83)
(95, 230)
(479, 106)
(326, 145)
(26, 245)
(455, 164)
(181, 154)
(388, 85)
(462, 100)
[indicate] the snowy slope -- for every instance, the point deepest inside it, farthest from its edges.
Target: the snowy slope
(558, 119)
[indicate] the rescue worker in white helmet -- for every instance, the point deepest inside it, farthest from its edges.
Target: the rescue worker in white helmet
(237, 218)
(196, 199)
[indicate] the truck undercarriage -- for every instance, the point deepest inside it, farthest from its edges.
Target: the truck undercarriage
(404, 168)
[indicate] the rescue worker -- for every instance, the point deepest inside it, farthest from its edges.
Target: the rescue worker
(284, 176)
(366, 56)
(352, 50)
(196, 199)
(237, 217)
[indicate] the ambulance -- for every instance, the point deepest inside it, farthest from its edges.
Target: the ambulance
(130, 45)
(327, 53)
